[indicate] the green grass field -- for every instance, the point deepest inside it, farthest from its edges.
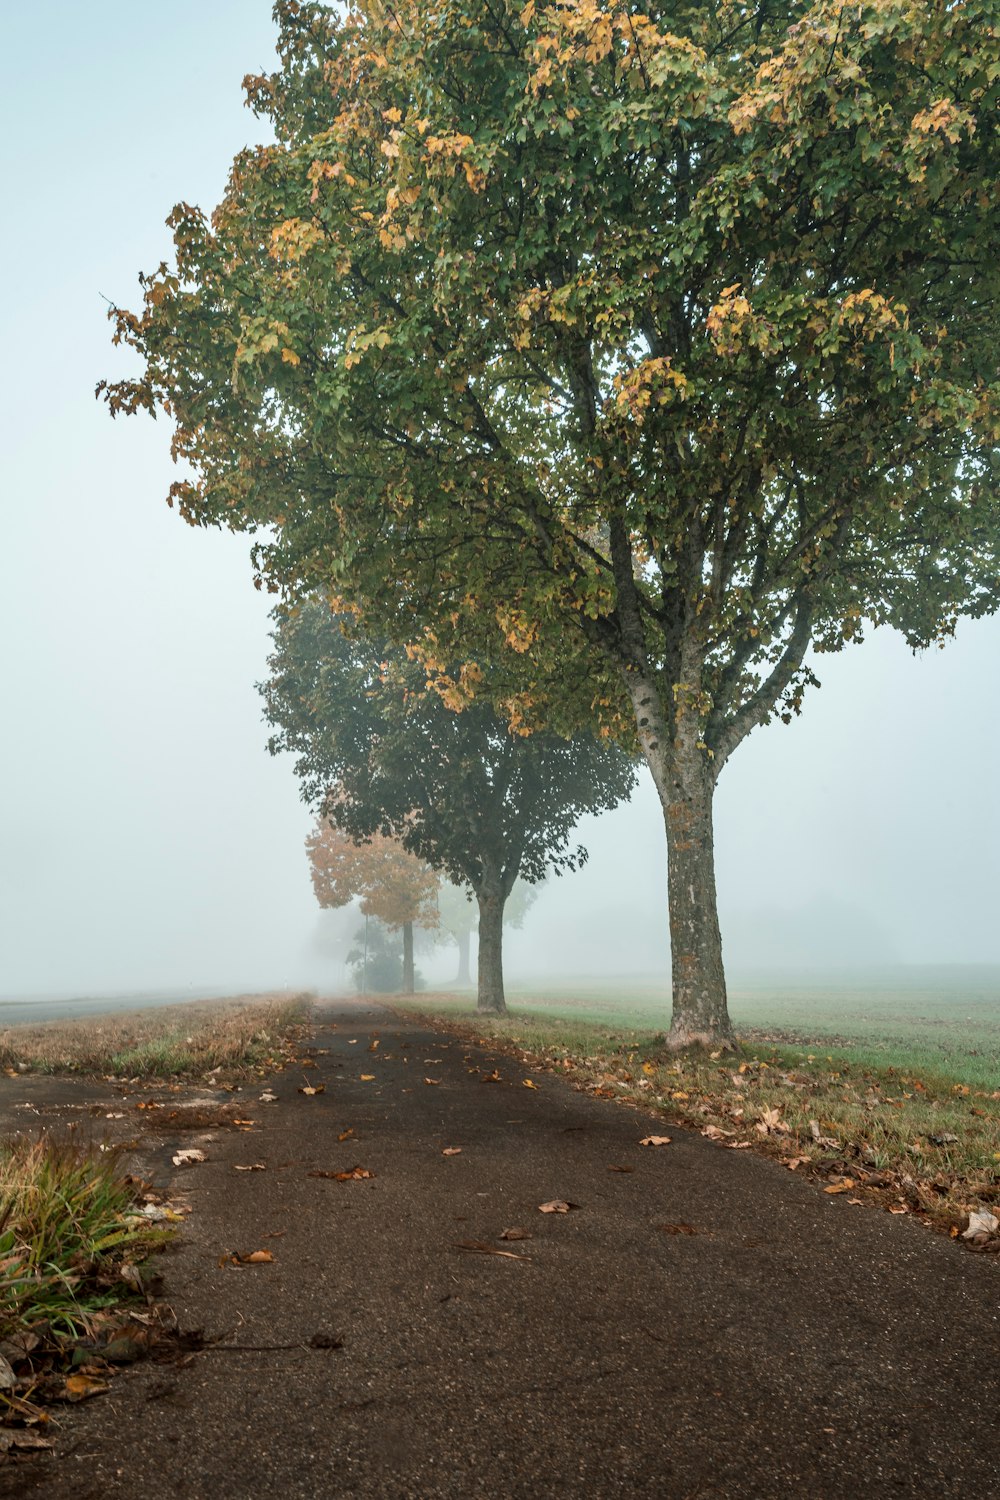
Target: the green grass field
(946, 1022)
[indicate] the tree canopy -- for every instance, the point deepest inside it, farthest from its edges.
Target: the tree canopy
(382, 754)
(641, 349)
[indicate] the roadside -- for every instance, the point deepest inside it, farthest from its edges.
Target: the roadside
(911, 1141)
(703, 1323)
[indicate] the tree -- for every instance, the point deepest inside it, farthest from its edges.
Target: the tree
(656, 343)
(458, 789)
(393, 884)
(456, 914)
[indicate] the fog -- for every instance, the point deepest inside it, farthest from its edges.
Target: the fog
(147, 840)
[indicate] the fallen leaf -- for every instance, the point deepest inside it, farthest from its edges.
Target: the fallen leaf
(254, 1166)
(268, 1098)
(434, 1081)
(900, 1210)
(676, 1228)
(322, 1340)
(479, 1247)
(713, 1133)
(304, 1088)
(843, 1186)
(655, 1140)
(493, 1077)
(857, 1202)
(79, 1387)
(258, 1258)
(621, 1169)
(452, 1151)
(981, 1223)
(515, 1234)
(795, 1161)
(244, 1122)
(188, 1157)
(19, 1437)
(527, 1084)
(353, 1174)
(346, 1135)
(367, 1077)
(374, 1046)
(557, 1206)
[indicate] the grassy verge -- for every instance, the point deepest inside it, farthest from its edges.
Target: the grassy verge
(227, 1037)
(925, 1142)
(71, 1240)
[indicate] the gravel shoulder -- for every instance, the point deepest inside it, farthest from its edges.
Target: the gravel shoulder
(703, 1326)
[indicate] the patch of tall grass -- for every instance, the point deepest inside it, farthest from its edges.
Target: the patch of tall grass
(68, 1230)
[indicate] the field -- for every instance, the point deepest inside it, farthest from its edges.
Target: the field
(209, 1036)
(941, 1021)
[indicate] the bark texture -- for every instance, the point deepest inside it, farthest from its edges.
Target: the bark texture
(407, 958)
(491, 903)
(464, 975)
(685, 776)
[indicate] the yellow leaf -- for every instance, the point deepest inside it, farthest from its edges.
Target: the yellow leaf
(289, 357)
(527, 1084)
(367, 1077)
(258, 1258)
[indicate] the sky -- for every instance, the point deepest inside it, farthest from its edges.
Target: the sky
(147, 840)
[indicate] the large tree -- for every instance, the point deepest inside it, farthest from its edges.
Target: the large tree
(656, 341)
(458, 789)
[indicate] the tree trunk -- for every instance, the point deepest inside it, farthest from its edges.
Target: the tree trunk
(464, 975)
(700, 1009)
(407, 958)
(685, 780)
(490, 998)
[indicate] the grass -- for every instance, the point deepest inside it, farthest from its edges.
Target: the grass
(70, 1244)
(907, 1124)
(229, 1037)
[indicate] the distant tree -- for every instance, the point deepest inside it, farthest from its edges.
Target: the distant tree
(391, 883)
(460, 790)
(457, 912)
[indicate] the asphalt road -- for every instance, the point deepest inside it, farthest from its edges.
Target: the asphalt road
(791, 1347)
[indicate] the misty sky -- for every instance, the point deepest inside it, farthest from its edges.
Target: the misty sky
(147, 840)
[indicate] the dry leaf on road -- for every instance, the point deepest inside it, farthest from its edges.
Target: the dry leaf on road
(527, 1084)
(254, 1166)
(452, 1151)
(188, 1157)
(655, 1140)
(515, 1234)
(305, 1088)
(621, 1169)
(346, 1135)
(845, 1185)
(353, 1174)
(79, 1387)
(367, 1077)
(268, 1098)
(981, 1223)
(557, 1206)
(434, 1081)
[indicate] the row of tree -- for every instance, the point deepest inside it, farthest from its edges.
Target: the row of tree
(610, 356)
(398, 774)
